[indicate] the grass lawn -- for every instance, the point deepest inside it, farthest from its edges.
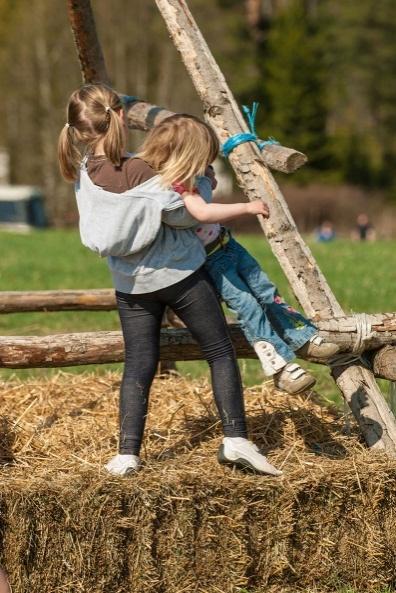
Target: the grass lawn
(361, 275)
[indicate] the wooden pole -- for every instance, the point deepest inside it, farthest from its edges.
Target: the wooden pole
(342, 330)
(308, 283)
(176, 344)
(57, 300)
(93, 67)
(383, 362)
(141, 114)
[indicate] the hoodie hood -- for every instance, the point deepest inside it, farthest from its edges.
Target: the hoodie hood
(121, 224)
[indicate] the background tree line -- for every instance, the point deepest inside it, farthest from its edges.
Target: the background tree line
(323, 71)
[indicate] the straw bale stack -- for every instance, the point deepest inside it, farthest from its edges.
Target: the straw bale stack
(184, 523)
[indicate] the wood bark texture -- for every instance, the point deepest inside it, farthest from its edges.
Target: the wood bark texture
(342, 330)
(100, 347)
(58, 300)
(372, 414)
(384, 362)
(143, 115)
(297, 261)
(89, 51)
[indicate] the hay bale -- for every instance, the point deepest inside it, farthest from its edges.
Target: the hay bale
(185, 523)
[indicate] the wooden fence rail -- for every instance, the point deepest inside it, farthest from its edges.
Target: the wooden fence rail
(60, 350)
(57, 300)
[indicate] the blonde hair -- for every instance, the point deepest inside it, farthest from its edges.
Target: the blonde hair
(90, 117)
(179, 148)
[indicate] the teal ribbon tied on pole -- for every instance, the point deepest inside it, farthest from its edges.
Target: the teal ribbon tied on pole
(251, 136)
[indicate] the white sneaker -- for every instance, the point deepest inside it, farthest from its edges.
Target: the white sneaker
(270, 360)
(121, 465)
(293, 379)
(241, 453)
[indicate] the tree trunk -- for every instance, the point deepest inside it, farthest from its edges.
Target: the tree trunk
(304, 275)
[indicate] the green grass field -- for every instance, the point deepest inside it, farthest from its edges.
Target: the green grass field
(361, 275)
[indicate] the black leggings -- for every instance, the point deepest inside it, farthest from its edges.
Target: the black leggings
(195, 302)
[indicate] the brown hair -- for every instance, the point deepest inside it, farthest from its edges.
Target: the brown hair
(179, 148)
(90, 117)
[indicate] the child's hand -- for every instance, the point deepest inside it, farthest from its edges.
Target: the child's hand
(258, 207)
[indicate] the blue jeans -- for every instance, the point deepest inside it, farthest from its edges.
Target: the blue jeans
(262, 313)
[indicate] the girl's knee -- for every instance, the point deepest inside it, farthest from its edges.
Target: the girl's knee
(220, 351)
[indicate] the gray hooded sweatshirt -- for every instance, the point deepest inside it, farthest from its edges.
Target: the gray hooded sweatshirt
(146, 233)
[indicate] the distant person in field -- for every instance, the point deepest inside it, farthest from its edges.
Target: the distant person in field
(325, 233)
(131, 214)
(364, 230)
(156, 252)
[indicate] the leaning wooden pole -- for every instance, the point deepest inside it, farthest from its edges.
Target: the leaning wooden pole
(308, 283)
(93, 67)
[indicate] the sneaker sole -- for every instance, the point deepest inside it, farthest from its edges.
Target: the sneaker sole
(126, 474)
(240, 463)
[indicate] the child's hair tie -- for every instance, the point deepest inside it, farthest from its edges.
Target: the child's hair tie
(107, 108)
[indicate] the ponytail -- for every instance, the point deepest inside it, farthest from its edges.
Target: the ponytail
(113, 144)
(68, 154)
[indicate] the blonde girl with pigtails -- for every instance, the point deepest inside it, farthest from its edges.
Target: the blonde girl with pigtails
(130, 214)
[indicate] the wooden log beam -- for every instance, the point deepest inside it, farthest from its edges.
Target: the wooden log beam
(57, 300)
(342, 330)
(141, 114)
(383, 362)
(58, 350)
(346, 331)
(101, 347)
(297, 261)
